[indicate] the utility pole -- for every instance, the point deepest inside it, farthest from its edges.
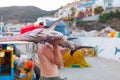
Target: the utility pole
(1, 25)
(1, 18)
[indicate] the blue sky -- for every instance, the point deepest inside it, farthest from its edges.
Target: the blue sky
(43, 4)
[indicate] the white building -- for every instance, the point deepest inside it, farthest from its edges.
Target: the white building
(112, 5)
(12, 29)
(64, 12)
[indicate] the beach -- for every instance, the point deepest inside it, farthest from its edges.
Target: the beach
(101, 69)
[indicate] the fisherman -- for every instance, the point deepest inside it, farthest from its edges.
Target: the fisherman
(50, 58)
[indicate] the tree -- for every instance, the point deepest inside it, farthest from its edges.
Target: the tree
(73, 10)
(98, 10)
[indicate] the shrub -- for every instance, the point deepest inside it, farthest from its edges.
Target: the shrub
(98, 10)
(106, 16)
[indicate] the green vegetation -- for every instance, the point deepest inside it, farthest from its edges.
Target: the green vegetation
(98, 10)
(110, 15)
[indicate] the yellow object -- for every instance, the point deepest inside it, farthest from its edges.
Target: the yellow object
(113, 34)
(29, 74)
(88, 52)
(76, 59)
(10, 47)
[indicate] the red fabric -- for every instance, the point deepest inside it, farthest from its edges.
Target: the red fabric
(28, 65)
(30, 28)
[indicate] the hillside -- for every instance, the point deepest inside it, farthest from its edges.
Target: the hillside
(18, 14)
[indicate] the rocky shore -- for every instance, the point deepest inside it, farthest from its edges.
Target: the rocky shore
(94, 28)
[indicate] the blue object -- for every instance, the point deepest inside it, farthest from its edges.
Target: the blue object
(8, 77)
(61, 27)
(0, 32)
(4, 46)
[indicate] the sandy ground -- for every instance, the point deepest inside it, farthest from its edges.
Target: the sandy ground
(101, 69)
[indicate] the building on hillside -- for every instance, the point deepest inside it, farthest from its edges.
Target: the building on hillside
(85, 8)
(112, 5)
(65, 11)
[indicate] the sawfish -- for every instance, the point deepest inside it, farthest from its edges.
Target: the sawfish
(41, 35)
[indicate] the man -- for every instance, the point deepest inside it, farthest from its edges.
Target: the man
(50, 56)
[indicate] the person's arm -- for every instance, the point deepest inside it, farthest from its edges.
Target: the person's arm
(58, 56)
(57, 53)
(64, 50)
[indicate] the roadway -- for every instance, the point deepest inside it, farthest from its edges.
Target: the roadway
(101, 69)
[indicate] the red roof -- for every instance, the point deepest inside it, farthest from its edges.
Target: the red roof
(30, 28)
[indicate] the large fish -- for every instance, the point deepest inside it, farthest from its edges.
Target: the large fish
(42, 35)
